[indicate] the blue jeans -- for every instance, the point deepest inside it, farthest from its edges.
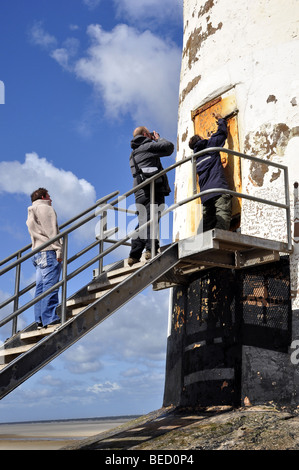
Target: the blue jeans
(47, 274)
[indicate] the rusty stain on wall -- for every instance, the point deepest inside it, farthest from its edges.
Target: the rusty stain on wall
(224, 384)
(271, 99)
(178, 317)
(179, 294)
(293, 101)
(275, 176)
(206, 8)
(184, 136)
(175, 195)
(189, 88)
(195, 41)
(265, 142)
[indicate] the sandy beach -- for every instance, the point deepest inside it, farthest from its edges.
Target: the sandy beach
(52, 435)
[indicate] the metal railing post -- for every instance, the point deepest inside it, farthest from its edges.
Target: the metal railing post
(16, 299)
(64, 279)
(103, 227)
(152, 218)
(288, 210)
(193, 169)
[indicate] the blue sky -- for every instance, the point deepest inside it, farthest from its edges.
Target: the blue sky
(79, 76)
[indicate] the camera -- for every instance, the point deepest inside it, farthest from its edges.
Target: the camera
(153, 136)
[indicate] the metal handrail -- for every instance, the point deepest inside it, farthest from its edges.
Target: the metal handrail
(65, 224)
(21, 259)
(59, 235)
(101, 207)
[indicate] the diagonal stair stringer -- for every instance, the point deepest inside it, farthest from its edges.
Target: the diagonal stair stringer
(51, 346)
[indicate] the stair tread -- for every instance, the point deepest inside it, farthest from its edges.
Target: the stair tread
(38, 333)
(107, 285)
(125, 269)
(116, 276)
(85, 300)
(15, 350)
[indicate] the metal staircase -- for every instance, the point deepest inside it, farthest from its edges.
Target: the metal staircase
(31, 349)
(27, 351)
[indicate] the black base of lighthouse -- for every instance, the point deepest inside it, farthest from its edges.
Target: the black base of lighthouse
(232, 340)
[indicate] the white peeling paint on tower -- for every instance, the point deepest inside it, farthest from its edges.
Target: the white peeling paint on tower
(244, 56)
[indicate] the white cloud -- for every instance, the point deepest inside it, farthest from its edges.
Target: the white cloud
(132, 372)
(74, 27)
(91, 4)
(69, 193)
(136, 334)
(40, 37)
(64, 54)
(61, 56)
(83, 360)
(51, 381)
(135, 73)
(143, 10)
(106, 387)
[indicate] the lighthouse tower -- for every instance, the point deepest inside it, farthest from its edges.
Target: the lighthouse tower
(234, 334)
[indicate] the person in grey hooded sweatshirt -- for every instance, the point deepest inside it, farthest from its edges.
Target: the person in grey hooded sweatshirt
(42, 226)
(147, 149)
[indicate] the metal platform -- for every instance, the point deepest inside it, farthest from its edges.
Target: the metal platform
(222, 249)
(230, 249)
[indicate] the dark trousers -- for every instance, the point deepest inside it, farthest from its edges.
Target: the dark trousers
(217, 212)
(143, 238)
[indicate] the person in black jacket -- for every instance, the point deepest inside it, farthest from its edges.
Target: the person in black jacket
(217, 207)
(147, 149)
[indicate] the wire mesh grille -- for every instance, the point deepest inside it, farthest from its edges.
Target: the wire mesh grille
(258, 296)
(266, 296)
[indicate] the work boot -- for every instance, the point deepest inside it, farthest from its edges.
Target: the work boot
(132, 261)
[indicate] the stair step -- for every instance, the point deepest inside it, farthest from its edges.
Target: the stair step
(84, 300)
(98, 289)
(98, 286)
(15, 351)
(113, 278)
(75, 311)
(125, 270)
(37, 334)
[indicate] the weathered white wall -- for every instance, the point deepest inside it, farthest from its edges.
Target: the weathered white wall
(250, 48)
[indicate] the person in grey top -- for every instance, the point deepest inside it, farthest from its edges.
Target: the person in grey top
(42, 226)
